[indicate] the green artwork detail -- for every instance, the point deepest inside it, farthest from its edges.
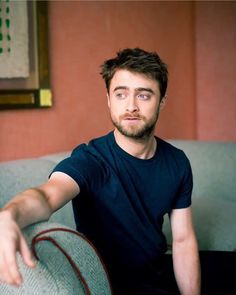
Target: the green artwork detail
(8, 23)
(5, 24)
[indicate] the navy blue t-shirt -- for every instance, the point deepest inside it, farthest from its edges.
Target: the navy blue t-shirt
(123, 199)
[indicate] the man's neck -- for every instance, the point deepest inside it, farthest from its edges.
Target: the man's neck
(139, 148)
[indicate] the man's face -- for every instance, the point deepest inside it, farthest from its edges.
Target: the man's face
(134, 102)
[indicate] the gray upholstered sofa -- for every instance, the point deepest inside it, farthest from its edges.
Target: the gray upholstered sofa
(67, 263)
(214, 193)
(214, 211)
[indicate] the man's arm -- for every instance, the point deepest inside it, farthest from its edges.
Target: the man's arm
(185, 252)
(31, 206)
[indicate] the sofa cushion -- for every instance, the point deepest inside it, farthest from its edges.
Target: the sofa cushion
(57, 157)
(213, 166)
(214, 222)
(19, 175)
(68, 264)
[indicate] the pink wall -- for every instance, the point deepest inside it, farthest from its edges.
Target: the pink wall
(82, 35)
(216, 70)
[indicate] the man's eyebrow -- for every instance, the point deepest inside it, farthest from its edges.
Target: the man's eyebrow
(139, 89)
(144, 89)
(120, 88)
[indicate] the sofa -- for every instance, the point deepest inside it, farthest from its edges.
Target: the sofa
(214, 193)
(67, 262)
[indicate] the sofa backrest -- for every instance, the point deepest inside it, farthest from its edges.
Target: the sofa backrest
(214, 168)
(19, 175)
(214, 193)
(16, 176)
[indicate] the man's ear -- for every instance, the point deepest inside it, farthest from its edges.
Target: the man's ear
(163, 102)
(108, 100)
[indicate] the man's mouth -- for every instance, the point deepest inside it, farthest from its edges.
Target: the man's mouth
(132, 118)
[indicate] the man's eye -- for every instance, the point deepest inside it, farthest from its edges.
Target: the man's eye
(120, 95)
(144, 96)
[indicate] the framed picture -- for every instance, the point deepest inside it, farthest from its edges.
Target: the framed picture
(24, 60)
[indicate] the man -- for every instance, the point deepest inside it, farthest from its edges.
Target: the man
(121, 185)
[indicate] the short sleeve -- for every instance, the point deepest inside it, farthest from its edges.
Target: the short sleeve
(85, 168)
(184, 194)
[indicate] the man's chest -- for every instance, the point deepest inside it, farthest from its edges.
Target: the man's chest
(144, 192)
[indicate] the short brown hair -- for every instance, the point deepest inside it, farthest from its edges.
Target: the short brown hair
(139, 61)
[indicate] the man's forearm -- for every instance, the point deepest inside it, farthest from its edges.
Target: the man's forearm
(187, 267)
(29, 207)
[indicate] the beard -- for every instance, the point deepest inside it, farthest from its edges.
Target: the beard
(137, 132)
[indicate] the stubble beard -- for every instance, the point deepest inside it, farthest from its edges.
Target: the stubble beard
(136, 132)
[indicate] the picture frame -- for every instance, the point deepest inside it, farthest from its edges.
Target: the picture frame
(34, 90)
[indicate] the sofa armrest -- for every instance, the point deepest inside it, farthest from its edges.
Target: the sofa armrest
(66, 263)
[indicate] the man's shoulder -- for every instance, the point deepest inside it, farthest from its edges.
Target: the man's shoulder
(100, 141)
(172, 152)
(167, 146)
(92, 145)
(95, 151)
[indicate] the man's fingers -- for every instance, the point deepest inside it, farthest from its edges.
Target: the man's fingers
(12, 274)
(26, 253)
(12, 240)
(9, 270)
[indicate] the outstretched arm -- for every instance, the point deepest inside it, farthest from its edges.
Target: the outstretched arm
(31, 206)
(185, 252)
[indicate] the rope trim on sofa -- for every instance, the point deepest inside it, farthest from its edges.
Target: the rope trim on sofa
(36, 239)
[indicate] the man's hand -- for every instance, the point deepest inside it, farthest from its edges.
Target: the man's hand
(12, 240)
(31, 206)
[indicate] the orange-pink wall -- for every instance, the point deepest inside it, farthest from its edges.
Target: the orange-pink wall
(82, 35)
(216, 70)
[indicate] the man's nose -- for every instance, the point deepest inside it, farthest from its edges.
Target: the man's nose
(132, 105)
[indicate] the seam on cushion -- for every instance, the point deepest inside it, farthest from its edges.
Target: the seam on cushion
(72, 263)
(37, 239)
